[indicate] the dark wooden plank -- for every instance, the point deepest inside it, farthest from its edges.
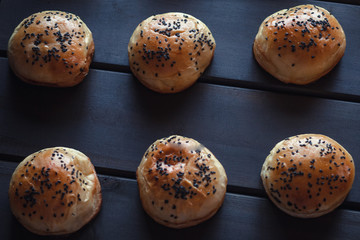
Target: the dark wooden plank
(241, 217)
(354, 2)
(113, 119)
(234, 25)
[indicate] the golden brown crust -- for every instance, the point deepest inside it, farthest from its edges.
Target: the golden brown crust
(51, 48)
(308, 175)
(55, 191)
(299, 45)
(181, 183)
(169, 52)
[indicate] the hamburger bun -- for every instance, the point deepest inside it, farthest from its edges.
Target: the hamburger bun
(181, 183)
(51, 48)
(55, 191)
(169, 52)
(308, 175)
(299, 45)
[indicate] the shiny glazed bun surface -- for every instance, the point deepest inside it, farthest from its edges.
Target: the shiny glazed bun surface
(55, 191)
(181, 183)
(308, 175)
(169, 52)
(299, 45)
(51, 48)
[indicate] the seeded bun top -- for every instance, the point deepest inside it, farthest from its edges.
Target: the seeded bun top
(299, 45)
(169, 52)
(181, 183)
(55, 191)
(308, 175)
(51, 48)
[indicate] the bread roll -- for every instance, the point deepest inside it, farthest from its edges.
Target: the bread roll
(181, 183)
(55, 191)
(169, 52)
(51, 48)
(299, 45)
(308, 175)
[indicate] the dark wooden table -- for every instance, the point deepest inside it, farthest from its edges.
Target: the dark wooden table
(236, 109)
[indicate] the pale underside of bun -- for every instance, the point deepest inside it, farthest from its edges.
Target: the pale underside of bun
(169, 52)
(189, 223)
(51, 48)
(55, 191)
(299, 45)
(181, 183)
(308, 175)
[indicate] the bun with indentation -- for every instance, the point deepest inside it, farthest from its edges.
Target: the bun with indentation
(181, 183)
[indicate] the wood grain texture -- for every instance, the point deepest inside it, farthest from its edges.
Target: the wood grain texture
(113, 119)
(234, 25)
(241, 217)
